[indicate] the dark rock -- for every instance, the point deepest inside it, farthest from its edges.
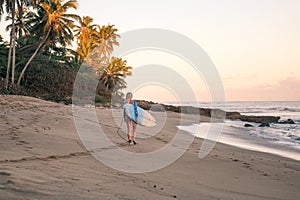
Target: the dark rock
(189, 110)
(259, 119)
(146, 105)
(205, 112)
(289, 121)
(248, 125)
(217, 113)
(157, 108)
(172, 108)
(264, 125)
(233, 115)
(256, 119)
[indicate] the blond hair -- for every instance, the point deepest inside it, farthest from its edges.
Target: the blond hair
(128, 97)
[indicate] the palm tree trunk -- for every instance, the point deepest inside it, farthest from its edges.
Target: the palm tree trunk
(13, 35)
(8, 62)
(13, 64)
(32, 57)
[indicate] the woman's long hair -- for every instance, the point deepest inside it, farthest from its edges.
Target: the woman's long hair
(128, 97)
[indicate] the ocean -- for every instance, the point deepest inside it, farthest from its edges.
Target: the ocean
(280, 139)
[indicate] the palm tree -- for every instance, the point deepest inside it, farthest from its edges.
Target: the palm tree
(54, 24)
(3, 56)
(106, 39)
(22, 15)
(85, 32)
(114, 74)
(17, 28)
(9, 8)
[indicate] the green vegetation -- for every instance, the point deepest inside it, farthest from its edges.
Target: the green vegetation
(39, 60)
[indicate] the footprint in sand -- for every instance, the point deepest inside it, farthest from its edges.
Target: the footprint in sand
(22, 142)
(4, 179)
(46, 128)
(235, 160)
(247, 165)
(14, 137)
(37, 130)
(4, 174)
(265, 174)
(16, 127)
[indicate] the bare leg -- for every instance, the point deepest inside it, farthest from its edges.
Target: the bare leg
(129, 124)
(134, 131)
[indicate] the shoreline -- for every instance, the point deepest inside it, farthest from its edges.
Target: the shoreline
(42, 157)
(239, 137)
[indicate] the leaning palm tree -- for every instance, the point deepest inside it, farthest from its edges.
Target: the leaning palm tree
(54, 26)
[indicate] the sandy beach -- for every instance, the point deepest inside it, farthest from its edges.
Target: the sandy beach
(42, 157)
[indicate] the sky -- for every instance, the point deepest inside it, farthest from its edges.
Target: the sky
(254, 44)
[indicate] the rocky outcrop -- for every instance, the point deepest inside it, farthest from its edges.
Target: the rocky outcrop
(213, 113)
(248, 125)
(289, 121)
(250, 118)
(264, 125)
(149, 105)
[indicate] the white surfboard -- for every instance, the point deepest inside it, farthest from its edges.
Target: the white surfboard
(144, 117)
